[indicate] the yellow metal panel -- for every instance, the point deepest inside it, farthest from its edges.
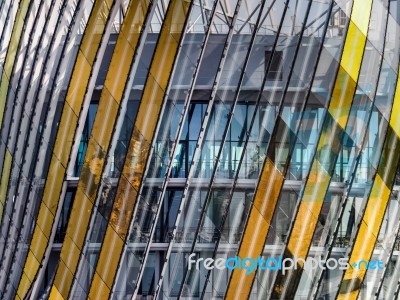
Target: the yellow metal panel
(395, 115)
(365, 240)
(55, 294)
(79, 218)
(360, 14)
(103, 124)
(317, 184)
(95, 28)
(44, 217)
(256, 231)
(354, 47)
(124, 204)
(30, 264)
(38, 244)
(69, 256)
(23, 285)
(4, 180)
(65, 278)
(303, 228)
(268, 190)
(251, 246)
(53, 186)
(3, 94)
(109, 262)
(342, 97)
(147, 116)
(100, 290)
(79, 80)
(65, 135)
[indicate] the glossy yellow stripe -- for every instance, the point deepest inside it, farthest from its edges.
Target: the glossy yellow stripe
(62, 148)
(366, 237)
(99, 142)
(395, 115)
(376, 206)
(252, 245)
(11, 54)
(360, 14)
(4, 181)
(139, 148)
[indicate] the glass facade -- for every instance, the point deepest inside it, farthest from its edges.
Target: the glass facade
(145, 144)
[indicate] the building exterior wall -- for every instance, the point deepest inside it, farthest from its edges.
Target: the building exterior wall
(140, 137)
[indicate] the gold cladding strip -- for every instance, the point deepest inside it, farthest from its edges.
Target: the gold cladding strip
(378, 200)
(63, 143)
(11, 54)
(271, 179)
(139, 148)
(110, 100)
(269, 186)
(4, 181)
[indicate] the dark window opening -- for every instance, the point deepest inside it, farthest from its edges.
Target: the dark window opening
(274, 72)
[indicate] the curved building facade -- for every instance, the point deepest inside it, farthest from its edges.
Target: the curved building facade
(199, 149)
